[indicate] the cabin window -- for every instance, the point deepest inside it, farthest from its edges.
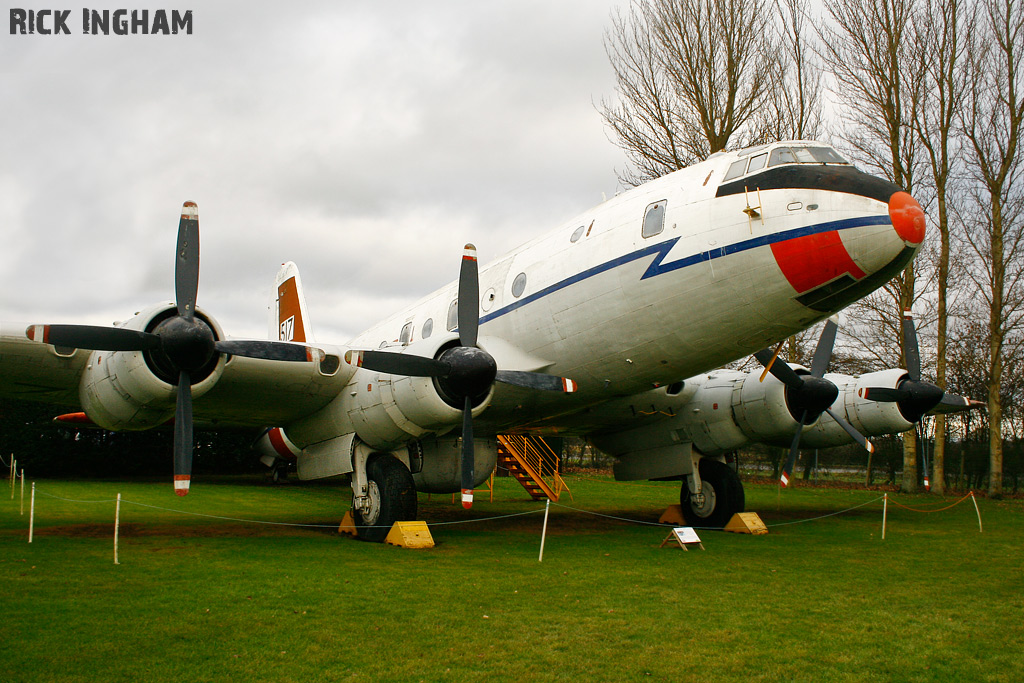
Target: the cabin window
(453, 315)
(577, 234)
(654, 219)
(519, 285)
(406, 336)
(428, 328)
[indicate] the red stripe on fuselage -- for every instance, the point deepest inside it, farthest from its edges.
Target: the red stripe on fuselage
(813, 260)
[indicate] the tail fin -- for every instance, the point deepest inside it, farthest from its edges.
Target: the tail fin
(291, 322)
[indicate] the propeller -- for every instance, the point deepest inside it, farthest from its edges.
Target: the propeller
(914, 397)
(809, 395)
(465, 372)
(184, 342)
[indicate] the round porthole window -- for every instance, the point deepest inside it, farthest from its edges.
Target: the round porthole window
(428, 328)
(577, 234)
(519, 285)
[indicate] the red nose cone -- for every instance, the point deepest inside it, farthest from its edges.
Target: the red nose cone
(907, 217)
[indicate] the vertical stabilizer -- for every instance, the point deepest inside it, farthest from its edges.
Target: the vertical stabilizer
(292, 319)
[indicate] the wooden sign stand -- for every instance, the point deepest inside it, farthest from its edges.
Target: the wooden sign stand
(684, 536)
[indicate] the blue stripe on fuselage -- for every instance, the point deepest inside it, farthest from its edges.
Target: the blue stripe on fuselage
(662, 249)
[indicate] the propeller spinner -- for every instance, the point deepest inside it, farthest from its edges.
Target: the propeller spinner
(463, 372)
(185, 341)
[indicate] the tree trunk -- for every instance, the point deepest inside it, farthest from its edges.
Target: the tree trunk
(909, 484)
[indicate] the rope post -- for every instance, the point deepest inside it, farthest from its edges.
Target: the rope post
(32, 513)
(544, 531)
(117, 524)
(14, 470)
(885, 510)
(22, 509)
(973, 500)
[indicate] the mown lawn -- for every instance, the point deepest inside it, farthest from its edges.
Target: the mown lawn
(208, 599)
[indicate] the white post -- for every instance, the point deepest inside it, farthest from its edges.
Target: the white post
(117, 524)
(32, 513)
(974, 500)
(544, 532)
(22, 513)
(885, 510)
(14, 470)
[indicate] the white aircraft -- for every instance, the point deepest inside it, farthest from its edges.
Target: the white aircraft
(632, 300)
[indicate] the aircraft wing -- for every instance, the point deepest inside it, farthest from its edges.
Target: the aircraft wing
(254, 393)
(37, 372)
(261, 393)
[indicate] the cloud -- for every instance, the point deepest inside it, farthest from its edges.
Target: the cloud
(365, 142)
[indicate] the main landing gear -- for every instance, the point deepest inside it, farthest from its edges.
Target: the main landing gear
(390, 497)
(719, 498)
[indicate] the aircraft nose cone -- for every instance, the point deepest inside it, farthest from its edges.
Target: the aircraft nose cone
(907, 218)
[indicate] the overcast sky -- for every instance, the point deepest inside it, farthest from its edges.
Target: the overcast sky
(365, 141)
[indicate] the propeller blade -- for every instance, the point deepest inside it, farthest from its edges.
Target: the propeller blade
(183, 435)
(467, 454)
(787, 471)
(823, 351)
(469, 297)
(398, 363)
(269, 350)
(852, 431)
(911, 350)
(186, 267)
(92, 337)
(780, 371)
(953, 403)
(536, 380)
(882, 394)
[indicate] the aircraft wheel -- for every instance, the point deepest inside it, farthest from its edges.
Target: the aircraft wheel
(392, 498)
(720, 498)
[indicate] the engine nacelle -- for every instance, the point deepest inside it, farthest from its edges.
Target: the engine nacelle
(133, 389)
(870, 418)
(731, 409)
(387, 410)
(436, 463)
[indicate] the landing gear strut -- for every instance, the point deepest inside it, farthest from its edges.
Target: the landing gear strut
(390, 498)
(720, 496)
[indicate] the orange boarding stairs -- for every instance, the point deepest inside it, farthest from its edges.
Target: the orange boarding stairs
(534, 465)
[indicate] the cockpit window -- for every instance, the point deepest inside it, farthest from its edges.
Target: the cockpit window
(805, 155)
(737, 169)
(757, 162)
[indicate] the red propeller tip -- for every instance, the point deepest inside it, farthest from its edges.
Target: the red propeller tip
(181, 483)
(469, 252)
(38, 333)
(569, 385)
(467, 498)
(784, 479)
(189, 211)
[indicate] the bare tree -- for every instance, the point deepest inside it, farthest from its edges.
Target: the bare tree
(867, 47)
(691, 76)
(994, 124)
(792, 107)
(941, 29)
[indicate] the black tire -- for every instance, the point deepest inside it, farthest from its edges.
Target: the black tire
(393, 497)
(722, 493)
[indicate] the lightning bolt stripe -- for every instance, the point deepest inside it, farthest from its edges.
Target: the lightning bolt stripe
(661, 250)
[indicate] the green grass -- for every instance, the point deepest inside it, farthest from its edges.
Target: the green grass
(204, 599)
